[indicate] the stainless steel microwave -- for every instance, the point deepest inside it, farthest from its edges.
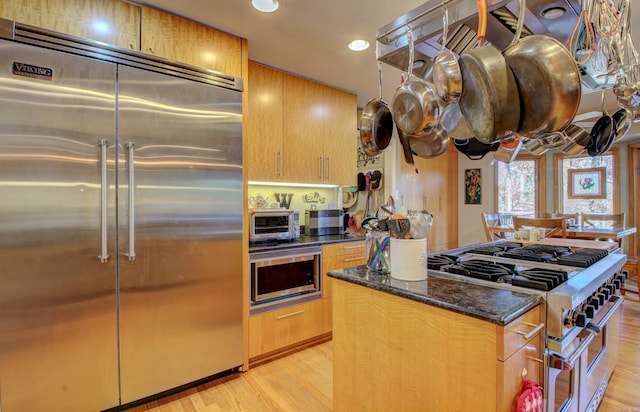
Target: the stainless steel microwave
(285, 275)
(273, 224)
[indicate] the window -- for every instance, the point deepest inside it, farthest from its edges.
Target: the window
(520, 186)
(587, 183)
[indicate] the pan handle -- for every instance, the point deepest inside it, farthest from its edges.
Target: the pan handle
(482, 21)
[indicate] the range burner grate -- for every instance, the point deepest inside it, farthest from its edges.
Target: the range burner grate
(540, 279)
(493, 250)
(436, 262)
(480, 269)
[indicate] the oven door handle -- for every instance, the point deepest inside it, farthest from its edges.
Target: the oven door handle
(597, 328)
(557, 361)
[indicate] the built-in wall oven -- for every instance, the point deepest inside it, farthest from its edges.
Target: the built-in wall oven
(285, 276)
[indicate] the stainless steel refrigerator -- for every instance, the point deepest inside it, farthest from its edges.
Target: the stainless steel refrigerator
(120, 223)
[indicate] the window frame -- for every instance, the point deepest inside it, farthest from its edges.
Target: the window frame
(557, 159)
(541, 182)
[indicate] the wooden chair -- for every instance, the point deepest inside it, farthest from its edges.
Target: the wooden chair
(494, 229)
(554, 226)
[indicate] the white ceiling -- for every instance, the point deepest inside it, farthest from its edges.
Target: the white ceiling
(310, 38)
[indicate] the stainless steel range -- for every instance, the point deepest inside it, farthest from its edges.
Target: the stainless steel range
(581, 288)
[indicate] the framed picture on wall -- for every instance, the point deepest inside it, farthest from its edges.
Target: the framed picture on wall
(473, 186)
(587, 183)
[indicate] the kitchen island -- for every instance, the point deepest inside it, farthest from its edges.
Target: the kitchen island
(439, 344)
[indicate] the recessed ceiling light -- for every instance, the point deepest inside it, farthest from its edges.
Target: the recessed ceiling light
(266, 6)
(553, 13)
(359, 45)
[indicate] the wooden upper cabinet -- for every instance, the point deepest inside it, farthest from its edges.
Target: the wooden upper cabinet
(264, 124)
(110, 21)
(176, 38)
(299, 130)
(340, 138)
(303, 130)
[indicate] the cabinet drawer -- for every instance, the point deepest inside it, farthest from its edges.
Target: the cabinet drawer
(346, 249)
(522, 330)
(278, 329)
(339, 256)
(509, 374)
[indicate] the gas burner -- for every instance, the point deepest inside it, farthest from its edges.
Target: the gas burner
(540, 279)
(583, 257)
(530, 255)
(480, 269)
(436, 262)
(496, 249)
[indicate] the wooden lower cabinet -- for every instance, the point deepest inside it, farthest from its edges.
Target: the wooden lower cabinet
(338, 256)
(391, 353)
(279, 329)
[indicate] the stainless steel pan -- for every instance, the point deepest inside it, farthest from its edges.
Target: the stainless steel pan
(415, 106)
(376, 123)
(490, 101)
(548, 81)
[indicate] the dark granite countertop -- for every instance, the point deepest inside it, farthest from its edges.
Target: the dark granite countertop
(304, 240)
(450, 292)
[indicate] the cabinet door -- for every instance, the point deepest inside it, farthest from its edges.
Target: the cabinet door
(340, 137)
(441, 194)
(110, 21)
(278, 329)
(338, 256)
(509, 374)
(303, 130)
(264, 124)
(434, 188)
(175, 38)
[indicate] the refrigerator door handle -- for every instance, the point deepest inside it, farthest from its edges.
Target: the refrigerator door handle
(131, 147)
(104, 187)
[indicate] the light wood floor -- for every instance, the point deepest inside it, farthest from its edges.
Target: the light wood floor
(302, 381)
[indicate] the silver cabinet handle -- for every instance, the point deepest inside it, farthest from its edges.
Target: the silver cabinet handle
(352, 259)
(529, 335)
(321, 168)
(131, 147)
(328, 168)
(104, 187)
(354, 247)
(290, 314)
(279, 163)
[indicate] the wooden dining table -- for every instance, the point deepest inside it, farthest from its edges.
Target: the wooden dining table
(616, 233)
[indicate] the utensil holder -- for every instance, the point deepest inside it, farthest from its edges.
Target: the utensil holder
(408, 259)
(378, 251)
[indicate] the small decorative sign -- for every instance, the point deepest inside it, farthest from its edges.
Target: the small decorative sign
(313, 197)
(473, 186)
(587, 183)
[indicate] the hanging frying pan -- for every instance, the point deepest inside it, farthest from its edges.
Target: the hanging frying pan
(548, 81)
(490, 102)
(376, 123)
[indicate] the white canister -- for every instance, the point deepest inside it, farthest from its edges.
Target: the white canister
(408, 259)
(534, 235)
